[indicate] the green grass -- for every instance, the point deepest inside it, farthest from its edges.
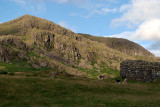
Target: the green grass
(71, 92)
(20, 67)
(94, 73)
(32, 54)
(26, 86)
(24, 69)
(104, 70)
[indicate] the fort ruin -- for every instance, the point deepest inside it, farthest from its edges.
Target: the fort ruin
(140, 70)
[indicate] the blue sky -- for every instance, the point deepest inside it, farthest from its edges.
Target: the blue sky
(136, 20)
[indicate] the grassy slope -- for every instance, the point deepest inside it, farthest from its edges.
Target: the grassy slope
(122, 45)
(27, 86)
(68, 92)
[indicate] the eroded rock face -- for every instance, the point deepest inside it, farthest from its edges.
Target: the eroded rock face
(5, 54)
(44, 39)
(12, 48)
(140, 70)
(13, 42)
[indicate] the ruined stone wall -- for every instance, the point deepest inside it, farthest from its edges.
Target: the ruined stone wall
(140, 70)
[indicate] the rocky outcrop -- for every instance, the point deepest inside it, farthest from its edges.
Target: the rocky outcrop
(56, 47)
(43, 39)
(13, 41)
(12, 49)
(6, 54)
(140, 70)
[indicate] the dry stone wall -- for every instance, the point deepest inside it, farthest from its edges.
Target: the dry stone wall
(140, 70)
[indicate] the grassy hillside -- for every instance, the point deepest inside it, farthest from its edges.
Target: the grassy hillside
(122, 45)
(70, 92)
(23, 85)
(43, 43)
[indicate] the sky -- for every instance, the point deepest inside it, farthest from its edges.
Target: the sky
(135, 20)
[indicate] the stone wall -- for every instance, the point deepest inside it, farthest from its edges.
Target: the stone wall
(140, 70)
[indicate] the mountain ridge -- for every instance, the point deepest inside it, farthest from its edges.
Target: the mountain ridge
(121, 44)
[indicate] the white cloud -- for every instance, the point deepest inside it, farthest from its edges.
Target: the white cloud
(156, 52)
(79, 3)
(149, 30)
(22, 2)
(155, 46)
(70, 1)
(107, 10)
(126, 35)
(102, 11)
(63, 23)
(138, 11)
(31, 5)
(144, 15)
(94, 6)
(87, 4)
(66, 25)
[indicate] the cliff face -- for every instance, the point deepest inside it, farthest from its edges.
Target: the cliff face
(38, 40)
(12, 48)
(122, 45)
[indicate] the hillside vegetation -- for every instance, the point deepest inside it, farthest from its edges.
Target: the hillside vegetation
(120, 44)
(42, 43)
